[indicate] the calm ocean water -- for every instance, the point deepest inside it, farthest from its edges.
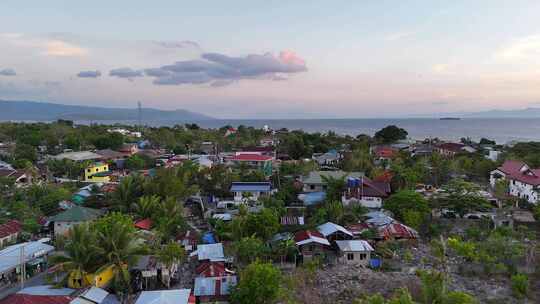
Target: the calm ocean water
(501, 130)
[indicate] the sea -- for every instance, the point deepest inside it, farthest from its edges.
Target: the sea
(502, 130)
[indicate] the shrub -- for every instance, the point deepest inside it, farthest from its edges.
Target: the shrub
(520, 285)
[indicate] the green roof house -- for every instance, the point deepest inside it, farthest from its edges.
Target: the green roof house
(73, 216)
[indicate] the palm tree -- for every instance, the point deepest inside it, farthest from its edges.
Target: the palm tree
(129, 189)
(170, 218)
(145, 207)
(80, 257)
(118, 247)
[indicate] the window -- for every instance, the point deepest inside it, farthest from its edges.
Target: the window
(97, 169)
(350, 256)
(88, 170)
(363, 256)
(312, 187)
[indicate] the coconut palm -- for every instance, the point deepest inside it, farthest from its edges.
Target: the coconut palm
(146, 206)
(80, 256)
(129, 189)
(118, 246)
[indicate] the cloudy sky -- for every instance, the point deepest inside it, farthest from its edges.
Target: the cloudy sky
(274, 59)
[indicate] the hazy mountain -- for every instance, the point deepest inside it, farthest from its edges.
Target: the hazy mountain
(43, 111)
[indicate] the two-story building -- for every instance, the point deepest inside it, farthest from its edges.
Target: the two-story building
(97, 173)
(523, 181)
(365, 192)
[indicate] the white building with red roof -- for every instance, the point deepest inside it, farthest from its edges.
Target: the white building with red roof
(524, 182)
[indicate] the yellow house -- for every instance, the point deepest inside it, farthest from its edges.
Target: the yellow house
(97, 173)
(100, 279)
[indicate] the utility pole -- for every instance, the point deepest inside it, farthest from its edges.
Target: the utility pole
(22, 267)
(140, 115)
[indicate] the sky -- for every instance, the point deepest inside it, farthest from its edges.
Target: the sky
(274, 59)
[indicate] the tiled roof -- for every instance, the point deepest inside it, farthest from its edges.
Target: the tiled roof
(9, 228)
(519, 171)
(453, 147)
(250, 157)
(33, 299)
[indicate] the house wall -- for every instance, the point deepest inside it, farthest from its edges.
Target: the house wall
(366, 201)
(238, 195)
(516, 188)
(62, 228)
(91, 171)
(8, 240)
(523, 190)
(315, 187)
(355, 257)
(492, 177)
(309, 251)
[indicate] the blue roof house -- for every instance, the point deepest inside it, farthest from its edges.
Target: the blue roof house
(250, 190)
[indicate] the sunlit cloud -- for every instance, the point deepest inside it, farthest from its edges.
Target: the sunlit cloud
(523, 49)
(62, 48)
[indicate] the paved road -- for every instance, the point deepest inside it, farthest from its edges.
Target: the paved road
(36, 280)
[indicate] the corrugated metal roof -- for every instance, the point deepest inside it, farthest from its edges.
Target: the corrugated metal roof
(329, 228)
(207, 286)
(10, 256)
(248, 186)
(173, 296)
(354, 245)
(212, 252)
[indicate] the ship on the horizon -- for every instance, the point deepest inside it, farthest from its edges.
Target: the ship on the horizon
(450, 118)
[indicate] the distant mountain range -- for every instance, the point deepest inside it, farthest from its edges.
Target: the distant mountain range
(522, 113)
(44, 111)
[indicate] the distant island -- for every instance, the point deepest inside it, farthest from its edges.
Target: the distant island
(45, 111)
(450, 118)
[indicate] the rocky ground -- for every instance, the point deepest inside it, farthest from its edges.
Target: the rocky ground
(344, 283)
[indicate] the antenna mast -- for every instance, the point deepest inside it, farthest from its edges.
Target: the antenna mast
(140, 115)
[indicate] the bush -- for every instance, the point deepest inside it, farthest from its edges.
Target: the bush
(520, 285)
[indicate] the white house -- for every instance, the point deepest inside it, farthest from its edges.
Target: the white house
(357, 252)
(524, 182)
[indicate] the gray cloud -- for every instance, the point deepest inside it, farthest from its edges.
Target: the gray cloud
(220, 70)
(89, 74)
(178, 44)
(127, 73)
(7, 72)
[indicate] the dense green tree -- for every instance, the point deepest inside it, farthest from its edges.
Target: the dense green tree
(249, 249)
(404, 202)
(260, 283)
(391, 134)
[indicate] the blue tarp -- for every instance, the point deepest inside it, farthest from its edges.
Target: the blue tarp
(208, 238)
(251, 187)
(312, 198)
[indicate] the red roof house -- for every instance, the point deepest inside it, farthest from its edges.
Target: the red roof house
(250, 157)
(19, 298)
(145, 224)
(9, 232)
